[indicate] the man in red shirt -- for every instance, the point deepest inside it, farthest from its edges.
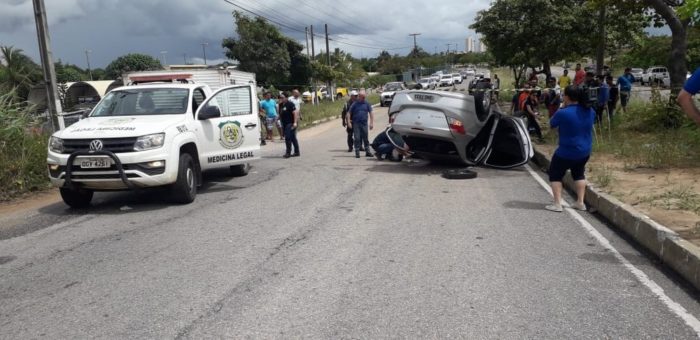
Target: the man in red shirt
(580, 75)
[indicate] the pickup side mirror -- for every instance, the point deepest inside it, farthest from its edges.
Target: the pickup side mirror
(209, 112)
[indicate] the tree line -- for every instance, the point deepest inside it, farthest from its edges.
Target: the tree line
(524, 34)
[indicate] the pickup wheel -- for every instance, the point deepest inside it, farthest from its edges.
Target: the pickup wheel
(184, 190)
(76, 198)
(239, 170)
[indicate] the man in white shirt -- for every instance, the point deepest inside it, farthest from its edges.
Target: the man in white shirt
(296, 99)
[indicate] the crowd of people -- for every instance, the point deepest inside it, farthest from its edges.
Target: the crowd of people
(283, 115)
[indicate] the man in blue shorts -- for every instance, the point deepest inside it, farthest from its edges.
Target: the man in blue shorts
(685, 98)
(269, 105)
(625, 83)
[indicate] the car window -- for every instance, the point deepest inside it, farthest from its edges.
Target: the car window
(233, 102)
(143, 102)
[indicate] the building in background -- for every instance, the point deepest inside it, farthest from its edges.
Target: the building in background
(469, 46)
(482, 46)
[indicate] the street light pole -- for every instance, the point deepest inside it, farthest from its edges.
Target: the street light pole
(204, 51)
(87, 56)
(162, 55)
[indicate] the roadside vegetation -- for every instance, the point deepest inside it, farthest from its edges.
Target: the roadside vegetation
(22, 149)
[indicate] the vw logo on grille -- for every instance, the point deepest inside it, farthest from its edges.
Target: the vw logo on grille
(96, 145)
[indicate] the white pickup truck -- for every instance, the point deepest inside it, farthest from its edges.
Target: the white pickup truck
(156, 134)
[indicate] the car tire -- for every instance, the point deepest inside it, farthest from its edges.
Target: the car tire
(184, 190)
(239, 170)
(482, 100)
(459, 174)
(76, 198)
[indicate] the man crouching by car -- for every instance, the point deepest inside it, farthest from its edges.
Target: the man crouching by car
(386, 142)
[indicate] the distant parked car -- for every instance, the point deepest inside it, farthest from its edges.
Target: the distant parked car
(457, 78)
(427, 83)
(656, 75)
(390, 89)
(470, 72)
(637, 73)
(446, 80)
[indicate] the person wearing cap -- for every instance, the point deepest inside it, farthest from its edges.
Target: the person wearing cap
(360, 115)
(346, 119)
(289, 116)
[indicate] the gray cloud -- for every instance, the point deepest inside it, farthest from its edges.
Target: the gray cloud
(110, 28)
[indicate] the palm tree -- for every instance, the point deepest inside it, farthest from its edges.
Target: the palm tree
(17, 71)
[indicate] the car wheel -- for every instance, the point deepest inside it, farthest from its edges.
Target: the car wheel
(482, 100)
(239, 170)
(184, 190)
(459, 174)
(76, 198)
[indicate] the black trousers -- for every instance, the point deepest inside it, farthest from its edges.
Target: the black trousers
(351, 140)
(534, 124)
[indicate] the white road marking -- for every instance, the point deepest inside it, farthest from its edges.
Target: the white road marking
(673, 306)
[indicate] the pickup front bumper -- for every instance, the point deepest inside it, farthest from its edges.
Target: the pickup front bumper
(127, 171)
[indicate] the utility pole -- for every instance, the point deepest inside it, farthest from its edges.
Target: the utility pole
(87, 56)
(204, 51)
(415, 43)
(448, 55)
(162, 56)
(42, 31)
(328, 57)
(415, 51)
(184, 58)
(313, 50)
(306, 34)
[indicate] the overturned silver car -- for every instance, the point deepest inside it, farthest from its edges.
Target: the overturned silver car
(458, 127)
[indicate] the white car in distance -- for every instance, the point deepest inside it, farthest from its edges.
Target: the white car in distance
(446, 80)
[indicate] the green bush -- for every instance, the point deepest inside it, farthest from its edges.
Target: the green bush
(327, 109)
(22, 149)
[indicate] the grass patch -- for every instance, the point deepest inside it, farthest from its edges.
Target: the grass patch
(603, 176)
(678, 198)
(23, 150)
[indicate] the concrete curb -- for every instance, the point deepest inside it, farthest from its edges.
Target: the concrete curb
(679, 254)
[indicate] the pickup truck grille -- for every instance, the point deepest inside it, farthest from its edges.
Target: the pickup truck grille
(116, 145)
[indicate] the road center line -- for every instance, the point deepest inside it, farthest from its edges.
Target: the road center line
(672, 305)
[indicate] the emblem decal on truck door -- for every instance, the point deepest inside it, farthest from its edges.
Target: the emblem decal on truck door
(230, 134)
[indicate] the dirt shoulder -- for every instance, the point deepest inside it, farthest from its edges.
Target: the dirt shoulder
(668, 196)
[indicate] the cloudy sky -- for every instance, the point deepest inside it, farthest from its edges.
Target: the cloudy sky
(110, 28)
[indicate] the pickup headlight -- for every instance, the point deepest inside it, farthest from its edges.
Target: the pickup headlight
(149, 142)
(56, 144)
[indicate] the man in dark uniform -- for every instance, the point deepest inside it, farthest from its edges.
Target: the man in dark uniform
(345, 118)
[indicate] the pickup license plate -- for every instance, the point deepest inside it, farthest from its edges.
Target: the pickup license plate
(94, 163)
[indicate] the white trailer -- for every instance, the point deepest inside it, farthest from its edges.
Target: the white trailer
(214, 77)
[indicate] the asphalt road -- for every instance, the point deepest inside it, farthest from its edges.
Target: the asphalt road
(329, 246)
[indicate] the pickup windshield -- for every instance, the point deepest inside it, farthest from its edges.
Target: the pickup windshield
(143, 102)
(392, 87)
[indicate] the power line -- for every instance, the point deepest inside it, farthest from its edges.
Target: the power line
(288, 26)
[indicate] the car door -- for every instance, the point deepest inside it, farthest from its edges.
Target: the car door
(502, 143)
(228, 127)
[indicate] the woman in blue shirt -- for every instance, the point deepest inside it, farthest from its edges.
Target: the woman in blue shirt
(575, 123)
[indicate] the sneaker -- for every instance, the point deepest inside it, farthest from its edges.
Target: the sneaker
(369, 154)
(379, 157)
(579, 206)
(357, 155)
(286, 155)
(296, 154)
(349, 149)
(554, 207)
(262, 142)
